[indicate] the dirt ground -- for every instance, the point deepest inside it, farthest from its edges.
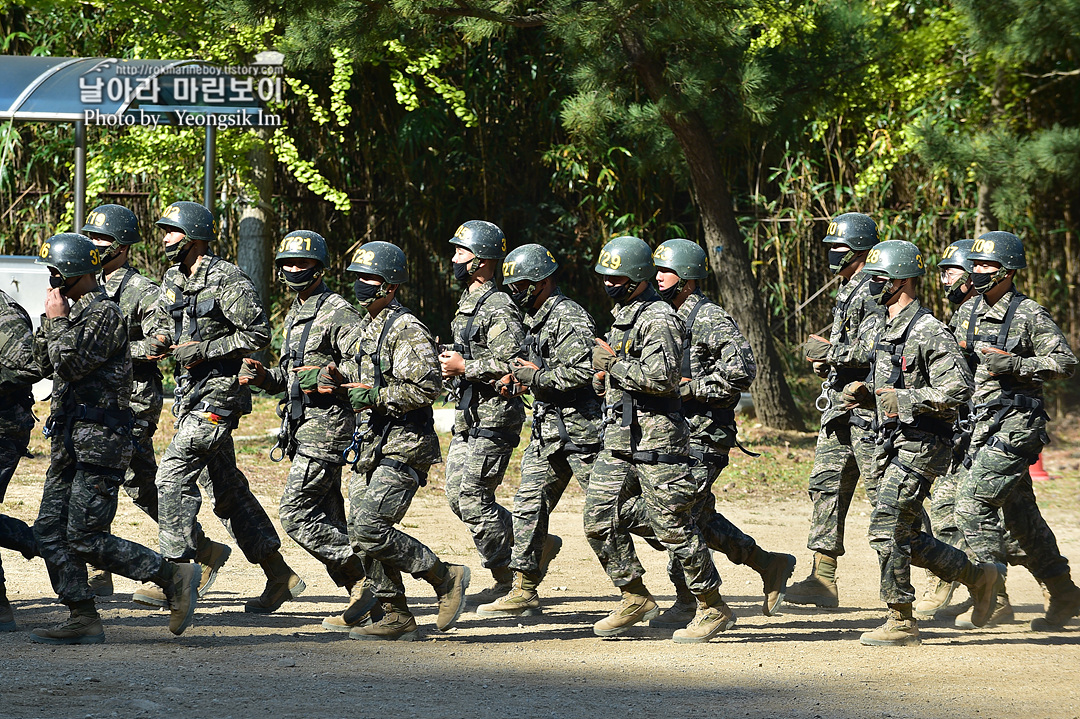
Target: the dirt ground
(803, 663)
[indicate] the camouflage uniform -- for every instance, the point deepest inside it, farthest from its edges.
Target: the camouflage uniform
(845, 443)
(86, 354)
(396, 444)
(316, 429)
(931, 380)
(487, 426)
(218, 306)
(721, 367)
(18, 372)
(1010, 431)
(645, 448)
(566, 422)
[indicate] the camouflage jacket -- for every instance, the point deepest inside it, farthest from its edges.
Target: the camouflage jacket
(497, 337)
(559, 338)
(18, 370)
(847, 358)
(321, 425)
(932, 380)
(86, 355)
(721, 366)
(138, 297)
(647, 336)
(1045, 355)
(216, 305)
(406, 370)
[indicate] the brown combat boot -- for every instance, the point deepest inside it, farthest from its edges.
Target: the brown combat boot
(282, 584)
(1064, 604)
(82, 627)
(983, 591)
(522, 601)
(212, 556)
(679, 614)
(775, 570)
(1002, 612)
(101, 583)
(396, 624)
(552, 547)
(819, 588)
(450, 582)
(7, 617)
(937, 596)
(182, 589)
(713, 616)
(361, 604)
(504, 582)
(899, 630)
(636, 605)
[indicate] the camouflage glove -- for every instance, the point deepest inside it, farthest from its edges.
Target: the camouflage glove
(157, 346)
(999, 362)
(816, 348)
(603, 356)
(598, 383)
(684, 389)
(330, 379)
(309, 378)
(524, 372)
(252, 372)
(888, 402)
(190, 354)
(363, 397)
(857, 394)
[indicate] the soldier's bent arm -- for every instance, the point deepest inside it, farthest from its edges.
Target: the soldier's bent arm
(657, 370)
(732, 369)
(1053, 358)
(68, 341)
(17, 362)
(417, 378)
(572, 368)
(244, 312)
(504, 337)
(950, 381)
(150, 321)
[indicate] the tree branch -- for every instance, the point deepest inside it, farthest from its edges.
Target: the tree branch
(463, 9)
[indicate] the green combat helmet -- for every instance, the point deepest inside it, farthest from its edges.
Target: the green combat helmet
(381, 259)
(191, 218)
(956, 255)
(895, 259)
(626, 256)
(528, 263)
(483, 239)
(1005, 248)
(113, 221)
(302, 244)
(70, 254)
(684, 258)
(853, 229)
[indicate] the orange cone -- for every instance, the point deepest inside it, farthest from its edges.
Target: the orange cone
(1038, 474)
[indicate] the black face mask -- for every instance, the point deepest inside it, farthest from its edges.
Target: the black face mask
(366, 294)
(524, 298)
(983, 281)
(838, 259)
(878, 293)
(956, 295)
(672, 292)
(300, 281)
(59, 283)
(177, 251)
(461, 271)
(620, 292)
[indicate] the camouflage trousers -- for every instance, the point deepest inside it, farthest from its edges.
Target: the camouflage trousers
(140, 480)
(201, 455)
(999, 480)
(897, 529)
(843, 453)
(716, 530)
(72, 529)
(668, 493)
(378, 500)
(474, 469)
(312, 512)
(943, 517)
(15, 534)
(545, 474)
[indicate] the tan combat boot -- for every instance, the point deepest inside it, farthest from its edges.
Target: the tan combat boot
(282, 584)
(1064, 604)
(7, 617)
(212, 556)
(984, 592)
(775, 570)
(101, 583)
(1002, 612)
(397, 624)
(504, 582)
(713, 616)
(899, 630)
(183, 592)
(82, 627)
(679, 614)
(819, 588)
(938, 595)
(552, 547)
(361, 603)
(522, 601)
(636, 605)
(451, 592)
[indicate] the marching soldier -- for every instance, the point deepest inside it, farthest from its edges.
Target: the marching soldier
(717, 366)
(114, 230)
(82, 345)
(566, 418)
(645, 449)
(18, 373)
(391, 379)
(216, 321)
(315, 428)
(487, 426)
(1017, 348)
(917, 382)
(845, 443)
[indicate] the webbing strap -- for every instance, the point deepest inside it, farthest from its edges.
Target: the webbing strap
(468, 387)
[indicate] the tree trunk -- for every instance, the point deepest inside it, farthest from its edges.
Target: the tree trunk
(985, 221)
(254, 247)
(727, 249)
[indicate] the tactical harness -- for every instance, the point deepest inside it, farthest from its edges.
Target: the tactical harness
(142, 371)
(195, 378)
(725, 417)
(423, 418)
(1009, 398)
(554, 399)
